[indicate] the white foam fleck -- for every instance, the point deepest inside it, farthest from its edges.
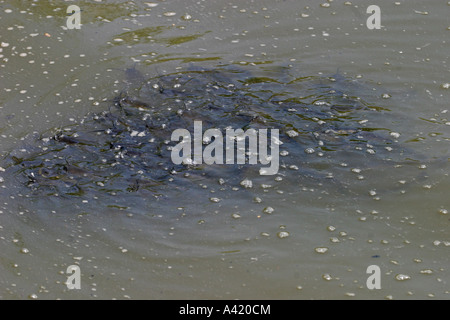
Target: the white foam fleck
(246, 183)
(321, 249)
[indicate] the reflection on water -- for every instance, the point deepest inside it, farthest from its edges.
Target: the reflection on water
(86, 176)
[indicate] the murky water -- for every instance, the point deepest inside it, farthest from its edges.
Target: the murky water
(310, 231)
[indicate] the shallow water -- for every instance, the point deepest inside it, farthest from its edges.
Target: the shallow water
(176, 243)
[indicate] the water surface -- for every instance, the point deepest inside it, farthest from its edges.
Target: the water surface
(323, 232)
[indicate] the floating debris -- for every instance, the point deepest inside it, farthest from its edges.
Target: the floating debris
(292, 133)
(402, 277)
(246, 183)
(268, 210)
(327, 277)
(321, 249)
(283, 234)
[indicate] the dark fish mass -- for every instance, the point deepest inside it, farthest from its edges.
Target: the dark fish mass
(328, 131)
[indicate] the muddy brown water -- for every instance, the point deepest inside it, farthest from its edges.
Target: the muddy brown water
(309, 232)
